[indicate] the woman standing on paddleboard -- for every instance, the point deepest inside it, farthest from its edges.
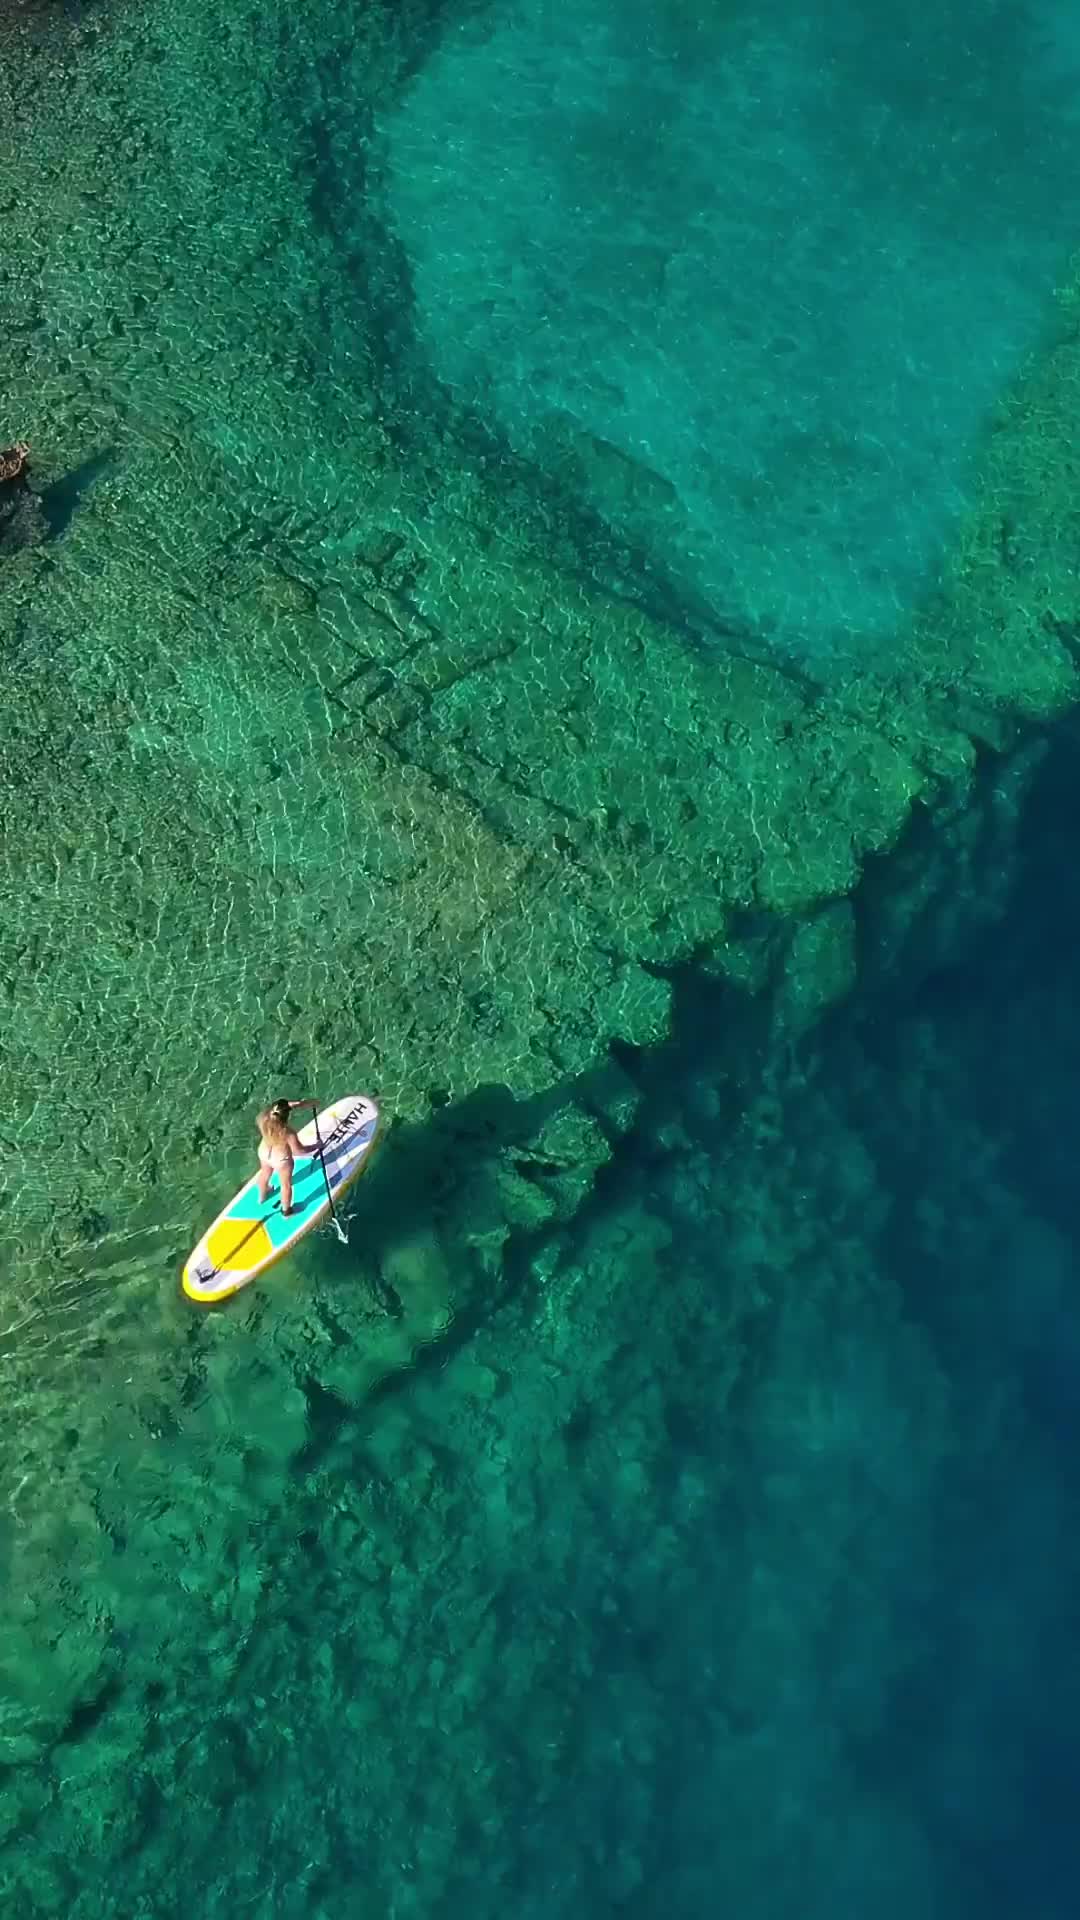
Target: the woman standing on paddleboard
(279, 1144)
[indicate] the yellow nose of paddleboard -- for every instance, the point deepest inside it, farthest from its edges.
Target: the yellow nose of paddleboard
(235, 1247)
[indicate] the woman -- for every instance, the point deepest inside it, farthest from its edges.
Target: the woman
(278, 1145)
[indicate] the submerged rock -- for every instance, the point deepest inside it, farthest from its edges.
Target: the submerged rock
(22, 516)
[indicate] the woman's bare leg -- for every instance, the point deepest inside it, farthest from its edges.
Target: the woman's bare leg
(266, 1174)
(285, 1176)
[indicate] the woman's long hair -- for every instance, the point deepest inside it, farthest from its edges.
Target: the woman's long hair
(274, 1124)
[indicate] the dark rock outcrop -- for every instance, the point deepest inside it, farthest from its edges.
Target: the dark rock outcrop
(22, 516)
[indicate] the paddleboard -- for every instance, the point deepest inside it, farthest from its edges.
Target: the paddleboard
(246, 1238)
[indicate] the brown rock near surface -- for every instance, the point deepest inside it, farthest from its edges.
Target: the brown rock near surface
(22, 517)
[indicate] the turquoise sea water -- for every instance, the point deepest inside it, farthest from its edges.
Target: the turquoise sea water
(666, 1503)
(755, 275)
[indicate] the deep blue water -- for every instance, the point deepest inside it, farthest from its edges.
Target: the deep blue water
(816, 1518)
(895, 1694)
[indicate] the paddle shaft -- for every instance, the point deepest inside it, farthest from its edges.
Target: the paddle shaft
(322, 1163)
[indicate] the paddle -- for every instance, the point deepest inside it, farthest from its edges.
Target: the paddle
(338, 1228)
